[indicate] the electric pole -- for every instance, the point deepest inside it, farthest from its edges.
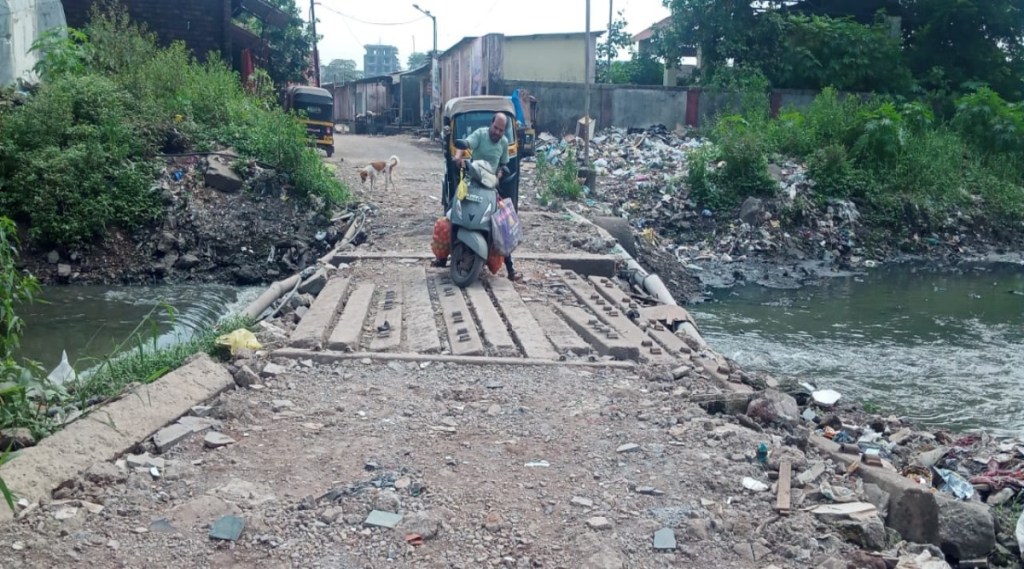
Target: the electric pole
(586, 94)
(316, 52)
(435, 87)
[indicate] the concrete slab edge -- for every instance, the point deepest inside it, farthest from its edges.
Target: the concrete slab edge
(333, 356)
(112, 429)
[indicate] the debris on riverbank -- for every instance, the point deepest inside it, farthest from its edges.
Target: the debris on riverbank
(225, 220)
(793, 238)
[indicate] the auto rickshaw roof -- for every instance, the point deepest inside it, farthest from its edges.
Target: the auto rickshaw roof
(491, 103)
(315, 91)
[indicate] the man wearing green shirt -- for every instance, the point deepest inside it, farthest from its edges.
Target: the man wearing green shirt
(491, 145)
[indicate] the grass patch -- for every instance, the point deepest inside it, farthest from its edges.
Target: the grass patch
(559, 182)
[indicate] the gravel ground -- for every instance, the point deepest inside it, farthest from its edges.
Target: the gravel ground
(455, 451)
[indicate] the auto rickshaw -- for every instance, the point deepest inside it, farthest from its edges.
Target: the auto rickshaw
(462, 116)
(315, 109)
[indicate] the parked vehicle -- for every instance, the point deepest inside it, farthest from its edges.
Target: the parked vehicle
(463, 115)
(315, 108)
(471, 216)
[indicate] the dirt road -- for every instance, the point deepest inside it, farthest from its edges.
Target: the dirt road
(406, 215)
(488, 466)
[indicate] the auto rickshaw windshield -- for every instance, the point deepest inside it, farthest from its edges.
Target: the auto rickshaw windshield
(315, 108)
(466, 123)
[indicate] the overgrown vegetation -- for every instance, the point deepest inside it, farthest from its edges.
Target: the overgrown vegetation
(558, 182)
(111, 100)
(905, 169)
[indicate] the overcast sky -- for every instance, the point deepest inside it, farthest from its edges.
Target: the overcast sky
(347, 25)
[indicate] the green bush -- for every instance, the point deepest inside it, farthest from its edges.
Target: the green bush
(559, 182)
(991, 124)
(902, 168)
(74, 162)
(744, 151)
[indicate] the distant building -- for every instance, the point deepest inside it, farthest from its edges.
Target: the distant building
(380, 60)
(674, 74)
(482, 65)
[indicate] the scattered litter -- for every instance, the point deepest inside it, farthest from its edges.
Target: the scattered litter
(537, 464)
(239, 340)
(754, 485)
(227, 528)
(377, 518)
(848, 510)
(955, 484)
(826, 397)
(664, 540)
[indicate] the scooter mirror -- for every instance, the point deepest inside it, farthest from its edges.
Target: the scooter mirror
(461, 144)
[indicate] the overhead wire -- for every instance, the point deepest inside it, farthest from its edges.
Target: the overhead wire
(355, 19)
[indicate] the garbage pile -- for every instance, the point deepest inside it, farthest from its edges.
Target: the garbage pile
(981, 471)
(642, 178)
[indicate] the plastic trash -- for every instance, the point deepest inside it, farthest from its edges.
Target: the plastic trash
(842, 437)
(826, 397)
(239, 340)
(63, 372)
(839, 494)
(956, 485)
(754, 485)
(506, 229)
(762, 453)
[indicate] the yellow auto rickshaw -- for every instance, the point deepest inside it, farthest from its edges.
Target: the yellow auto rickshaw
(315, 108)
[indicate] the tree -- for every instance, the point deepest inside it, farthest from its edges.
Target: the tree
(720, 29)
(340, 71)
(419, 58)
(616, 40)
(951, 46)
(290, 46)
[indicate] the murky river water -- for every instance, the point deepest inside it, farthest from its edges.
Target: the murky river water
(944, 349)
(91, 321)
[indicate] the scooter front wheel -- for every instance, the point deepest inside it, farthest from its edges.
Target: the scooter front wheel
(465, 265)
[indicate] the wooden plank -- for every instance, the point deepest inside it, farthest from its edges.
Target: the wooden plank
(315, 324)
(462, 335)
(783, 497)
(421, 331)
(621, 301)
(491, 323)
(349, 329)
(558, 330)
(526, 329)
(387, 327)
(611, 316)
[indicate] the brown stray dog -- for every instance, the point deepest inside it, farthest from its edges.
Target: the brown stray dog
(380, 168)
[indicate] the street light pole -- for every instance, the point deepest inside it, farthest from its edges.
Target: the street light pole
(316, 52)
(435, 88)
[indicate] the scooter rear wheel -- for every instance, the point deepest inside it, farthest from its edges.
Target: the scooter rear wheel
(465, 265)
